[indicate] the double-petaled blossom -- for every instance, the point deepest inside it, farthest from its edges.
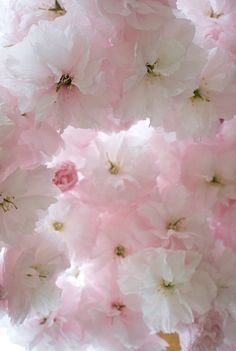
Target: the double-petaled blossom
(121, 169)
(164, 67)
(57, 76)
(169, 286)
(21, 195)
(118, 174)
(205, 334)
(199, 113)
(212, 18)
(76, 224)
(109, 322)
(142, 15)
(56, 330)
(224, 224)
(179, 224)
(29, 276)
(208, 171)
(17, 17)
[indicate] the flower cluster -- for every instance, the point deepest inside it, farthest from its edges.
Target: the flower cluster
(118, 174)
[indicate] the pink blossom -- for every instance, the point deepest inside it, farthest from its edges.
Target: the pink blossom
(22, 145)
(209, 16)
(119, 169)
(163, 68)
(178, 224)
(208, 170)
(22, 194)
(64, 80)
(144, 15)
(61, 221)
(167, 286)
(51, 330)
(224, 223)
(120, 234)
(212, 98)
(118, 174)
(17, 17)
(206, 334)
(30, 271)
(223, 263)
(110, 323)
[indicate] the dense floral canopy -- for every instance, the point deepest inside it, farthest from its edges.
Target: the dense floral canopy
(118, 174)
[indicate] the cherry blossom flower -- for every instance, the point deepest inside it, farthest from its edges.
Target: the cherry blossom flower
(118, 174)
(178, 224)
(205, 334)
(224, 223)
(224, 269)
(212, 174)
(63, 81)
(22, 145)
(110, 322)
(74, 223)
(40, 331)
(210, 16)
(164, 67)
(17, 17)
(198, 114)
(21, 195)
(168, 283)
(114, 171)
(29, 275)
(144, 15)
(119, 236)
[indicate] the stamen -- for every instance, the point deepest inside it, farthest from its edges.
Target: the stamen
(211, 13)
(151, 68)
(216, 180)
(118, 306)
(120, 251)
(176, 225)
(39, 269)
(7, 203)
(197, 94)
(114, 168)
(58, 9)
(43, 320)
(58, 226)
(65, 81)
(166, 285)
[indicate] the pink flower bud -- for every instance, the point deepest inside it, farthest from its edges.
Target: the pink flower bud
(65, 176)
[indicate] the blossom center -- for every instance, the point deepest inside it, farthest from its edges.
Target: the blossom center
(65, 81)
(7, 203)
(176, 225)
(113, 168)
(166, 285)
(215, 180)
(120, 251)
(43, 320)
(197, 94)
(212, 14)
(39, 269)
(58, 226)
(57, 9)
(118, 306)
(152, 68)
